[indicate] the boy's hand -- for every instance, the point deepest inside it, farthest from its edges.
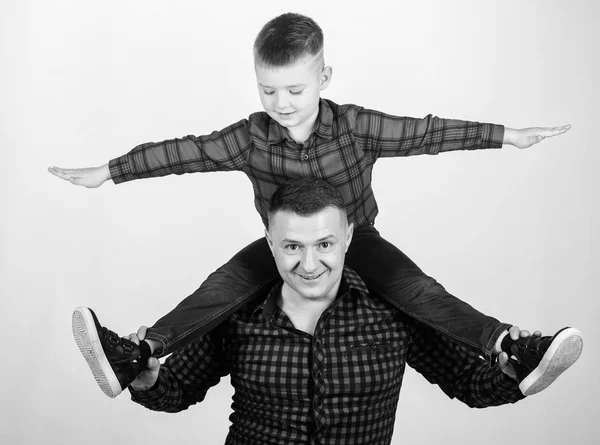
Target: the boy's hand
(526, 137)
(148, 378)
(90, 177)
(507, 368)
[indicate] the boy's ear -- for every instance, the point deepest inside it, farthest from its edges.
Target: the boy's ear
(326, 77)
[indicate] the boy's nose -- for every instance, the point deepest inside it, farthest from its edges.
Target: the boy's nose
(281, 101)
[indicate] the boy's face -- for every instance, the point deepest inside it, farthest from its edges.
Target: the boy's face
(290, 94)
(309, 251)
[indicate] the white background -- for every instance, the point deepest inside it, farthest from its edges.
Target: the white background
(513, 232)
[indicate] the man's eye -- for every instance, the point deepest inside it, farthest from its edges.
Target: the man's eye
(292, 247)
(325, 245)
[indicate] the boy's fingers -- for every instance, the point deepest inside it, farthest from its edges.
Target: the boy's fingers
(60, 174)
(554, 131)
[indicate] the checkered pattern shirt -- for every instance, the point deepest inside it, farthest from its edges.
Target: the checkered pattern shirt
(343, 148)
(338, 386)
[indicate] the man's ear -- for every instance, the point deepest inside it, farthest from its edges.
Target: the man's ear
(269, 241)
(349, 234)
(326, 77)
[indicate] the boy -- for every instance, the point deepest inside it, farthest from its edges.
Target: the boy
(300, 135)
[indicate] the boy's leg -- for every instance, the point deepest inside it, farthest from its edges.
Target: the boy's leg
(390, 273)
(116, 361)
(245, 276)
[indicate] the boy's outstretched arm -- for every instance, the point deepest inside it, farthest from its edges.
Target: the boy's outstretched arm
(90, 177)
(526, 137)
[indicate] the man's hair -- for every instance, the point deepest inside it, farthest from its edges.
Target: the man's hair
(286, 38)
(305, 197)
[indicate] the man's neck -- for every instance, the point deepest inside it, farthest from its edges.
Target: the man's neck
(304, 313)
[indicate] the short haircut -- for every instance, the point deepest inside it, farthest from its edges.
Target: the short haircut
(287, 38)
(305, 197)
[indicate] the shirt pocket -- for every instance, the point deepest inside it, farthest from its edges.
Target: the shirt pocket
(375, 365)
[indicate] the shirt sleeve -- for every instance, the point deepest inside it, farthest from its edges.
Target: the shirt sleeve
(390, 136)
(186, 376)
(459, 372)
(224, 150)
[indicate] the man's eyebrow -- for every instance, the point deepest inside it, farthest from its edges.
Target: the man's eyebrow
(320, 240)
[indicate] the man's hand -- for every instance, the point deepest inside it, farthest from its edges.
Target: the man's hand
(507, 368)
(90, 177)
(148, 378)
(526, 137)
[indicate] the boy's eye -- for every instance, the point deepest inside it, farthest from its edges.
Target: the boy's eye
(296, 93)
(268, 93)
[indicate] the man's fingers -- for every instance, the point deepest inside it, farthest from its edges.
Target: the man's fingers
(153, 364)
(514, 332)
(141, 332)
(134, 338)
(503, 361)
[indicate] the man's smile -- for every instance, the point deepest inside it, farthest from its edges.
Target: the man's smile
(310, 277)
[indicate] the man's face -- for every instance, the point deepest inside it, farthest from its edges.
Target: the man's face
(310, 251)
(290, 94)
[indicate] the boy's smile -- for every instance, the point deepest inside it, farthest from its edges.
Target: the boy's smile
(290, 94)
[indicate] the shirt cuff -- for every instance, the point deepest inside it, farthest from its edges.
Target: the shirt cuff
(507, 386)
(120, 171)
(150, 396)
(492, 136)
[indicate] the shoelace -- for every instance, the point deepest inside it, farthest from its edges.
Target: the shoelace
(112, 340)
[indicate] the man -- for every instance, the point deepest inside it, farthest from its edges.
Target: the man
(320, 359)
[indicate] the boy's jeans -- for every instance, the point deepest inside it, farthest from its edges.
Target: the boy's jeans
(384, 269)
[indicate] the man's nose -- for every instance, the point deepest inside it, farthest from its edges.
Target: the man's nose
(309, 261)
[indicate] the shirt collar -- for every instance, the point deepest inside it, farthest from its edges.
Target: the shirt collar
(350, 281)
(323, 125)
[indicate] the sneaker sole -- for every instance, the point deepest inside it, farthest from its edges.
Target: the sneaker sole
(88, 342)
(564, 350)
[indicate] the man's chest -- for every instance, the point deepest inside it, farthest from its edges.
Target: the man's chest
(347, 356)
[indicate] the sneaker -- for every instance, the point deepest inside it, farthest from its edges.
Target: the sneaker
(112, 359)
(540, 360)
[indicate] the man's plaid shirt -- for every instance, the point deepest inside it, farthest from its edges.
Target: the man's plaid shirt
(345, 144)
(338, 386)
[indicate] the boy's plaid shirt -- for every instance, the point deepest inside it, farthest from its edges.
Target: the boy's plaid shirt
(347, 141)
(339, 386)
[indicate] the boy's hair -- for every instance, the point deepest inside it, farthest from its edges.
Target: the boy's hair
(305, 197)
(286, 38)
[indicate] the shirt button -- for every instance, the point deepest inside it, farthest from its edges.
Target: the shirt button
(305, 157)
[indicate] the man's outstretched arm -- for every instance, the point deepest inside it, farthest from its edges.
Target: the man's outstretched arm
(462, 373)
(185, 377)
